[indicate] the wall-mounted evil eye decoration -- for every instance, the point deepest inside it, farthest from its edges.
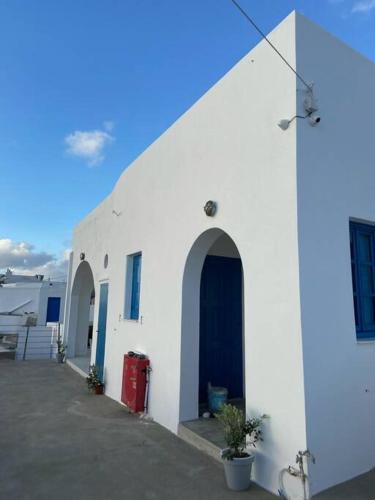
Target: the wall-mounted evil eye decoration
(82, 255)
(210, 208)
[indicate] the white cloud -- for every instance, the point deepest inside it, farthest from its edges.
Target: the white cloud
(364, 6)
(91, 144)
(21, 254)
(22, 258)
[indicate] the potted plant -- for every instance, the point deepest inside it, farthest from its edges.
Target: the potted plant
(238, 461)
(93, 381)
(60, 355)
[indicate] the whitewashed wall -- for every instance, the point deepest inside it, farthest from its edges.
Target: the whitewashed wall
(336, 181)
(15, 295)
(51, 289)
(35, 294)
(228, 148)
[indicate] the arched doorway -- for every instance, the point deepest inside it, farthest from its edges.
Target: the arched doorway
(212, 322)
(81, 312)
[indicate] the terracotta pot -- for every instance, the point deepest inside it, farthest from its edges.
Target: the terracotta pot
(99, 389)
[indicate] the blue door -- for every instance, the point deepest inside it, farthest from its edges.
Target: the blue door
(101, 331)
(53, 309)
(220, 341)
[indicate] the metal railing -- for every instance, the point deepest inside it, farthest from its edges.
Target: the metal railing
(30, 342)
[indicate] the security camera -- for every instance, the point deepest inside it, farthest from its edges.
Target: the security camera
(314, 120)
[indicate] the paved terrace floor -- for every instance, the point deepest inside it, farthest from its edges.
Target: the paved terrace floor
(59, 442)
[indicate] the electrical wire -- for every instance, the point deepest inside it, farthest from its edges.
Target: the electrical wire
(264, 36)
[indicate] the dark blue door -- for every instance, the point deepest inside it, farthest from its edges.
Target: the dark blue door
(101, 331)
(220, 344)
(53, 309)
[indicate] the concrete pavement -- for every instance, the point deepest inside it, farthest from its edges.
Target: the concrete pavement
(58, 442)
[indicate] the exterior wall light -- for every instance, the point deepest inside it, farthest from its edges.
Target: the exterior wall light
(284, 124)
(210, 208)
(82, 256)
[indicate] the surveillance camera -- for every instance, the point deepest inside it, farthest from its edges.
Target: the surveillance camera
(314, 120)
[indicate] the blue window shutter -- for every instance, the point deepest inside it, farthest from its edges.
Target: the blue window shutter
(362, 248)
(136, 286)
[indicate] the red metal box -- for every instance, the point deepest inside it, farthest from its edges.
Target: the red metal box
(134, 379)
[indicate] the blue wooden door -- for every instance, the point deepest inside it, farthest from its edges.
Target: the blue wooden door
(220, 344)
(101, 331)
(53, 309)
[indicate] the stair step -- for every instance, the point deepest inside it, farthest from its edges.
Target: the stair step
(199, 442)
(76, 368)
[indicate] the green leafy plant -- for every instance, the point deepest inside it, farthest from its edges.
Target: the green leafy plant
(60, 345)
(93, 379)
(236, 429)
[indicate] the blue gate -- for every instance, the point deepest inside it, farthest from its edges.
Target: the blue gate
(101, 331)
(220, 341)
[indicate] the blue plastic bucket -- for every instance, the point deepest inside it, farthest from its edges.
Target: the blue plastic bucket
(217, 397)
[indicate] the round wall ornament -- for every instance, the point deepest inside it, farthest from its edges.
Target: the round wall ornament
(210, 208)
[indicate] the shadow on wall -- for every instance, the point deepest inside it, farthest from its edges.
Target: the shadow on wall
(81, 311)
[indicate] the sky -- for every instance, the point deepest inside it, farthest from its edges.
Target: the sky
(87, 85)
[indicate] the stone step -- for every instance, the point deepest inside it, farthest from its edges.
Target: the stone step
(76, 368)
(199, 442)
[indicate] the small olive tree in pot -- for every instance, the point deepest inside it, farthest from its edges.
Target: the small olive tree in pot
(238, 461)
(60, 355)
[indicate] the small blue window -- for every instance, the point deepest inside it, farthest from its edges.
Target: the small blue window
(362, 252)
(133, 286)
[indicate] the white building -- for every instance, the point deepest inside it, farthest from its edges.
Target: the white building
(271, 316)
(10, 277)
(43, 300)
(31, 311)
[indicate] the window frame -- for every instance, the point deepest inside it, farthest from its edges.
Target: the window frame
(363, 331)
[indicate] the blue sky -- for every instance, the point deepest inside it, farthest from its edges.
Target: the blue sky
(86, 86)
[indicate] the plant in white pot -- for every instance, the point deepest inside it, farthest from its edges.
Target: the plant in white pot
(238, 461)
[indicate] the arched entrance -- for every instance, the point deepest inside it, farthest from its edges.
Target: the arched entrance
(212, 322)
(81, 312)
